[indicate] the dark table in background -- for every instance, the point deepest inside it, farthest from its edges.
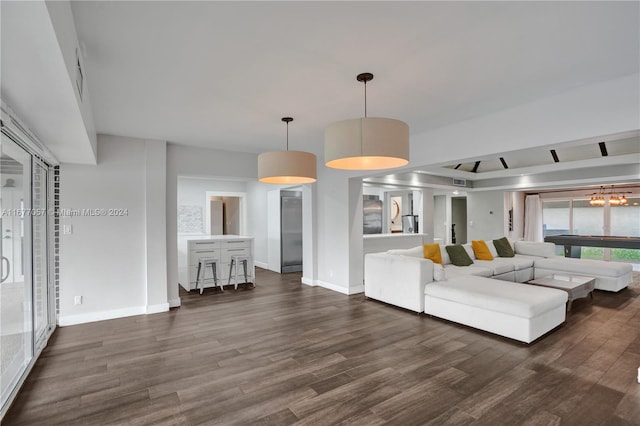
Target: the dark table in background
(573, 243)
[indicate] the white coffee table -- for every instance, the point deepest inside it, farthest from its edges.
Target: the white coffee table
(576, 286)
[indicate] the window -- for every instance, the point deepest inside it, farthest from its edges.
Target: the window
(556, 218)
(625, 221)
(588, 220)
(577, 216)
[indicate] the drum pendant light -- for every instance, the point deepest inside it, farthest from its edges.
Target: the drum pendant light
(368, 143)
(287, 167)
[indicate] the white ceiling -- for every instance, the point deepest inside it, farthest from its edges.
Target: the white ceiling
(222, 74)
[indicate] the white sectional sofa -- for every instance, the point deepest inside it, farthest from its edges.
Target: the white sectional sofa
(487, 294)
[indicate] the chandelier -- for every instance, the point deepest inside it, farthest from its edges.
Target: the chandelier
(615, 198)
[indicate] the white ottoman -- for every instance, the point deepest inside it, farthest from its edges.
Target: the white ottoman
(610, 276)
(518, 311)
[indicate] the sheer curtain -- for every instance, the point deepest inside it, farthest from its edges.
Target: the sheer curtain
(533, 218)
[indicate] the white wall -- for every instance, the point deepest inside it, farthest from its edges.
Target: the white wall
(156, 226)
(427, 213)
(183, 161)
(373, 190)
(274, 231)
(257, 220)
(104, 259)
(334, 227)
(485, 215)
(309, 234)
(440, 217)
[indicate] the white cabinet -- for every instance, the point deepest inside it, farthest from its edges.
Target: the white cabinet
(221, 247)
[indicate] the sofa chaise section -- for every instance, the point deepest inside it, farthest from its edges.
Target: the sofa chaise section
(518, 311)
(610, 276)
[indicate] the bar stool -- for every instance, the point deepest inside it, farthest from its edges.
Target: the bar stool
(237, 259)
(206, 261)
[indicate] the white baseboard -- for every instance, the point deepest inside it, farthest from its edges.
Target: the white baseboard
(262, 265)
(333, 287)
(154, 309)
(308, 281)
(175, 303)
(64, 320)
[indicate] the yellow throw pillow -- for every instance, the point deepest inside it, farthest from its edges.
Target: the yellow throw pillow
(432, 252)
(481, 250)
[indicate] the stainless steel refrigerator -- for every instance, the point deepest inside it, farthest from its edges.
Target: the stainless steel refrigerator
(372, 221)
(291, 231)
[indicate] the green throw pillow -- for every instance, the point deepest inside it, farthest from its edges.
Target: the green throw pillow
(459, 255)
(503, 247)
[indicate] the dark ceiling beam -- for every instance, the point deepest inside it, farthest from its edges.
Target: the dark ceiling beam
(475, 167)
(555, 156)
(504, 163)
(603, 149)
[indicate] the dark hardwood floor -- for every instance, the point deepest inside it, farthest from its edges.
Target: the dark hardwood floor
(285, 353)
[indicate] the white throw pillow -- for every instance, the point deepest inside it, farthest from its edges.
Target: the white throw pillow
(438, 272)
(469, 250)
(413, 252)
(446, 260)
(492, 248)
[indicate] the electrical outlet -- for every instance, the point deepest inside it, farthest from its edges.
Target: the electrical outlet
(77, 300)
(67, 229)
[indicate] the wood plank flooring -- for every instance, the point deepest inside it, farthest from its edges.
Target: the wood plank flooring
(284, 353)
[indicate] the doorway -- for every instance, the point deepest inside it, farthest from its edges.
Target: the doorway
(225, 213)
(459, 220)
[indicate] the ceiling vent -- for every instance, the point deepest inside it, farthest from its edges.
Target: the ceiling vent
(459, 182)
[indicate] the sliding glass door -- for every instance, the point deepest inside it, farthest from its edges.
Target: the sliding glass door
(16, 315)
(575, 215)
(27, 313)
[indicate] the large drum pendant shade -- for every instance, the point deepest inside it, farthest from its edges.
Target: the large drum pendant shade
(367, 143)
(287, 167)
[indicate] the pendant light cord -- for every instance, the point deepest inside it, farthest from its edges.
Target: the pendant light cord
(365, 99)
(287, 120)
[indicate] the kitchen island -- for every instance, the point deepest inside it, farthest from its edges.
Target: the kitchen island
(192, 248)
